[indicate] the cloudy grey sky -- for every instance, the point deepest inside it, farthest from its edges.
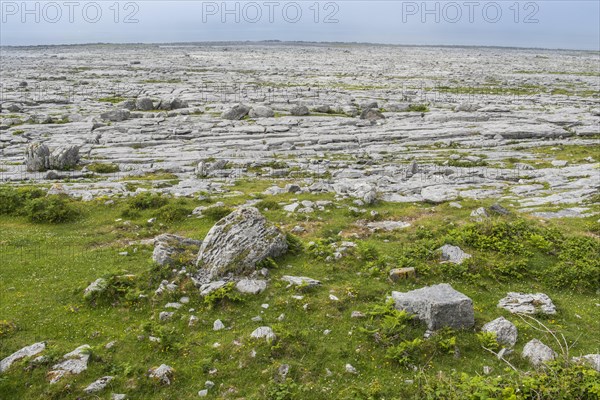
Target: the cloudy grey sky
(545, 23)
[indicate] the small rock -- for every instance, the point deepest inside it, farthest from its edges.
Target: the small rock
(162, 374)
(218, 325)
(506, 332)
(538, 353)
(300, 281)
(453, 254)
(299, 111)
(236, 113)
(251, 286)
(350, 369)
(263, 332)
(99, 384)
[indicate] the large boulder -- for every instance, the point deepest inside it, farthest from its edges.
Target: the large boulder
(299, 111)
(63, 158)
(538, 353)
(261, 112)
(236, 112)
(169, 248)
(438, 306)
(526, 303)
(506, 332)
(372, 114)
(144, 104)
(37, 157)
(238, 242)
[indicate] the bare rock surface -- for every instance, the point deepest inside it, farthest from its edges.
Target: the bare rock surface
(74, 363)
(169, 248)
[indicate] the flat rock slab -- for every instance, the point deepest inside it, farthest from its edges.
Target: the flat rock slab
(527, 303)
(28, 351)
(99, 384)
(438, 306)
(387, 225)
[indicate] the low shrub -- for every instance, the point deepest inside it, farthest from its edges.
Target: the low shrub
(102, 168)
(52, 209)
(173, 212)
(147, 201)
(217, 213)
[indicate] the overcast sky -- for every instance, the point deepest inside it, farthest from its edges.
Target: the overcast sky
(546, 24)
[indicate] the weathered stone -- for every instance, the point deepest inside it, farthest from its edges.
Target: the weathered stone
(98, 385)
(95, 288)
(75, 363)
(251, 286)
(398, 274)
(299, 111)
(538, 353)
(218, 325)
(236, 112)
(593, 360)
(505, 331)
(169, 248)
(300, 281)
(387, 225)
(144, 104)
(162, 374)
(263, 332)
(28, 351)
(372, 114)
(453, 254)
(261, 112)
(63, 158)
(37, 157)
(238, 242)
(438, 306)
(527, 303)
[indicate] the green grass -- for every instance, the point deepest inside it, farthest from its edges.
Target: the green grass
(45, 268)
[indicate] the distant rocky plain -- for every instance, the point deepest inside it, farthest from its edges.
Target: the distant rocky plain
(399, 124)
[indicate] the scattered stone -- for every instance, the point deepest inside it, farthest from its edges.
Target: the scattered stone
(398, 274)
(163, 374)
(95, 288)
(372, 115)
(299, 111)
(118, 396)
(453, 254)
(538, 353)
(169, 248)
(218, 325)
(479, 214)
(505, 331)
(251, 286)
(203, 393)
(236, 112)
(438, 306)
(592, 360)
(388, 226)
(350, 369)
(498, 209)
(524, 303)
(37, 157)
(28, 351)
(75, 363)
(239, 241)
(300, 281)
(261, 112)
(144, 104)
(357, 314)
(263, 332)
(165, 315)
(99, 384)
